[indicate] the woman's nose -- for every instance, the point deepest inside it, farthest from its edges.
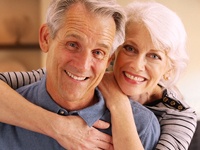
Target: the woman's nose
(138, 64)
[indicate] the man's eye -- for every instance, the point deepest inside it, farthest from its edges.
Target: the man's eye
(98, 54)
(72, 46)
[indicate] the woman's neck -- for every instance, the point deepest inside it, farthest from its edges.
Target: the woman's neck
(149, 97)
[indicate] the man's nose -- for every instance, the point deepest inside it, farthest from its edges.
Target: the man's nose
(84, 61)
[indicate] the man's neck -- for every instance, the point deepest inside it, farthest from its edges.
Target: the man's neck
(77, 105)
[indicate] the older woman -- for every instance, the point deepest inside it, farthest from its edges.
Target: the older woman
(146, 68)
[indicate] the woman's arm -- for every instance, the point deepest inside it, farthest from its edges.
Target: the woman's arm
(124, 130)
(173, 134)
(18, 111)
(19, 79)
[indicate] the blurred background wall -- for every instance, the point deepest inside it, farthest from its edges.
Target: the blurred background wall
(20, 21)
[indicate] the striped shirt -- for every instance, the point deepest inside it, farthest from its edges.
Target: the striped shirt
(177, 119)
(178, 122)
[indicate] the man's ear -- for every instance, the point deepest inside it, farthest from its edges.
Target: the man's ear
(44, 38)
(111, 61)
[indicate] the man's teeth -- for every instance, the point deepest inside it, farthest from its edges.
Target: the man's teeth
(75, 77)
(139, 79)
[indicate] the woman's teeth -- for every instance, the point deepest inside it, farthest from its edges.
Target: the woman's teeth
(139, 79)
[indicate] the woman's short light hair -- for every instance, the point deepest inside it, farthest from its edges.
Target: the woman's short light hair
(167, 32)
(108, 8)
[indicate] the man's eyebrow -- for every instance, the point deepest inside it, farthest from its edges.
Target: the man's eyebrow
(102, 44)
(75, 36)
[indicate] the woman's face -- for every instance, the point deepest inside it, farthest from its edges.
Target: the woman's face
(138, 65)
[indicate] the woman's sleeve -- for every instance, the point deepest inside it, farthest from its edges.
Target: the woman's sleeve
(177, 126)
(18, 79)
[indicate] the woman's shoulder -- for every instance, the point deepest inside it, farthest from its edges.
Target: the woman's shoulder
(170, 106)
(171, 100)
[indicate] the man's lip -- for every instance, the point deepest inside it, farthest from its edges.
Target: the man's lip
(75, 77)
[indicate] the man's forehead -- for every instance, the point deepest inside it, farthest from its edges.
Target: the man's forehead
(86, 30)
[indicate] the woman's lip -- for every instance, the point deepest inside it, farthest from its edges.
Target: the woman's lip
(135, 78)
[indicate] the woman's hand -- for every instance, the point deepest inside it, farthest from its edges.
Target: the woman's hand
(113, 95)
(74, 134)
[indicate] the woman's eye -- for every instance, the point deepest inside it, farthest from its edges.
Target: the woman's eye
(154, 56)
(130, 50)
(98, 54)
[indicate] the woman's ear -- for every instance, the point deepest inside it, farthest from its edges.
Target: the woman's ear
(44, 38)
(167, 75)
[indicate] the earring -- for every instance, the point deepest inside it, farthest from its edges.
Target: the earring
(166, 77)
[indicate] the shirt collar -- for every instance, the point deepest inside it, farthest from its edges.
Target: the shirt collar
(93, 113)
(44, 99)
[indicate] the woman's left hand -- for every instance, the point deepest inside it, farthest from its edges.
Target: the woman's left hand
(111, 91)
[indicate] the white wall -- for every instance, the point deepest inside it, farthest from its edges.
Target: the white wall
(189, 11)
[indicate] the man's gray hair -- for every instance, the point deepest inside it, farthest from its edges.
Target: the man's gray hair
(108, 8)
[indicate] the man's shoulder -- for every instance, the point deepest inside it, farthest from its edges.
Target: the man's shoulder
(143, 116)
(147, 125)
(29, 87)
(31, 90)
(139, 109)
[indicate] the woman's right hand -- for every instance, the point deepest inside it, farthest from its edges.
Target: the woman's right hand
(74, 134)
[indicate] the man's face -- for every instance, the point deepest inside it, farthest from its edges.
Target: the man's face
(78, 56)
